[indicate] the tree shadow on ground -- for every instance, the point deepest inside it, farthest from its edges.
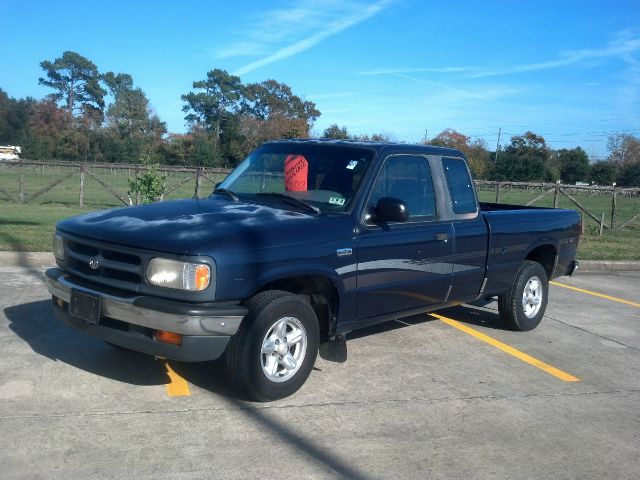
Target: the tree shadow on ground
(36, 324)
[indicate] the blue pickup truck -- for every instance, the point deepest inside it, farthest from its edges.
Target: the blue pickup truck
(305, 241)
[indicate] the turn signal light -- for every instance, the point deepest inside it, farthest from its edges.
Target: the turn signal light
(202, 277)
(168, 337)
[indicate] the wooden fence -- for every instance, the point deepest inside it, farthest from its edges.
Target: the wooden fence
(23, 172)
(24, 181)
(568, 191)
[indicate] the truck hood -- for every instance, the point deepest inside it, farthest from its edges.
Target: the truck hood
(200, 225)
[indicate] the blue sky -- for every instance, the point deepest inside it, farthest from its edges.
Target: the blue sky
(569, 70)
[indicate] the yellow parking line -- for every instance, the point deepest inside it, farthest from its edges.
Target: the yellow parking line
(596, 294)
(178, 386)
(508, 349)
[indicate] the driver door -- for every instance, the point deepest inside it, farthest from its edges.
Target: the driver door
(404, 265)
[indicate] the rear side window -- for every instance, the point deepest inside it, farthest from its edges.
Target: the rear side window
(463, 197)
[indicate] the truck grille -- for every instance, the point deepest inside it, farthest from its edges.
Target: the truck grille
(104, 263)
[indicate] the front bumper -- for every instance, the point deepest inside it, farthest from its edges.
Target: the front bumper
(131, 320)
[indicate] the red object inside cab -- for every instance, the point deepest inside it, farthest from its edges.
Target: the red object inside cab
(296, 172)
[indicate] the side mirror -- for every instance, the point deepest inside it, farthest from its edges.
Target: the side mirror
(390, 209)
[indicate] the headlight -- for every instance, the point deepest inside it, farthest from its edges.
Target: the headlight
(58, 246)
(163, 272)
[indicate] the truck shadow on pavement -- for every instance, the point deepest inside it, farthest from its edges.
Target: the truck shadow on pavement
(36, 324)
(469, 314)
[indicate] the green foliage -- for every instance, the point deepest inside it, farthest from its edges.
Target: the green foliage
(271, 99)
(604, 173)
(574, 165)
(76, 82)
(336, 132)
(629, 175)
(150, 186)
(228, 119)
(214, 98)
(525, 158)
(14, 119)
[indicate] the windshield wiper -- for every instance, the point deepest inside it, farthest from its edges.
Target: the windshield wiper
(291, 201)
(225, 191)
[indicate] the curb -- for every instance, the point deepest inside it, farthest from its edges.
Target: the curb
(607, 266)
(45, 259)
(26, 259)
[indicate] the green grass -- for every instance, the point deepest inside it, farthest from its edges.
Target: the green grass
(28, 227)
(617, 245)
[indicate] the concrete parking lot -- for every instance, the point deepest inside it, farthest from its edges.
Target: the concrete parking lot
(451, 397)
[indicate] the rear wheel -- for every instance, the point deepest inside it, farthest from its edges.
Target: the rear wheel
(273, 352)
(523, 306)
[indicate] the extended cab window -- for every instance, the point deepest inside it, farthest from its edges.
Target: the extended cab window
(463, 197)
(408, 178)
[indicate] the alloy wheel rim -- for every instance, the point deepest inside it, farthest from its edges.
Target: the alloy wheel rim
(283, 349)
(532, 297)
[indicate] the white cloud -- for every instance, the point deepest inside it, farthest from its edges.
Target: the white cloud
(324, 19)
(617, 48)
(623, 47)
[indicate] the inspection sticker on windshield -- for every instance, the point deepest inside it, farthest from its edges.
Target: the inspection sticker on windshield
(336, 201)
(352, 164)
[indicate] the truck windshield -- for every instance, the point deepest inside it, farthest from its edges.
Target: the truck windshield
(323, 176)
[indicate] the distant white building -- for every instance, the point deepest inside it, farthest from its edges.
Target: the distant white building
(10, 152)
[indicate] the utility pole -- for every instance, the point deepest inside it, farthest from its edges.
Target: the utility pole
(426, 136)
(498, 145)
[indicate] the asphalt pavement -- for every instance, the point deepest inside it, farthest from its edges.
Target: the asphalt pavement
(450, 397)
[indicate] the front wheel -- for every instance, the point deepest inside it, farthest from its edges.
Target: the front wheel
(523, 306)
(275, 348)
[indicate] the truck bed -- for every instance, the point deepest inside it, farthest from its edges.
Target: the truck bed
(493, 207)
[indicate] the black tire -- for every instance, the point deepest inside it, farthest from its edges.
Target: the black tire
(244, 357)
(510, 304)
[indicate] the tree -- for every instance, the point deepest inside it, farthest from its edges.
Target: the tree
(46, 128)
(150, 186)
(14, 119)
(525, 158)
(77, 83)
(215, 98)
(336, 132)
(604, 173)
(135, 130)
(271, 99)
(629, 175)
(574, 165)
(475, 150)
(624, 149)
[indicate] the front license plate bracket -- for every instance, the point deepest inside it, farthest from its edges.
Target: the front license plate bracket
(85, 306)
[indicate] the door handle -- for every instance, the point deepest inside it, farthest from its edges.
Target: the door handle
(442, 237)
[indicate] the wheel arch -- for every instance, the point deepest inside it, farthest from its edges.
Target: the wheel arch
(546, 254)
(319, 289)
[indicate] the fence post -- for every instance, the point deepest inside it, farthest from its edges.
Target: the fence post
(601, 224)
(137, 174)
(581, 222)
(81, 186)
(497, 192)
(196, 194)
(614, 204)
(555, 194)
(20, 183)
